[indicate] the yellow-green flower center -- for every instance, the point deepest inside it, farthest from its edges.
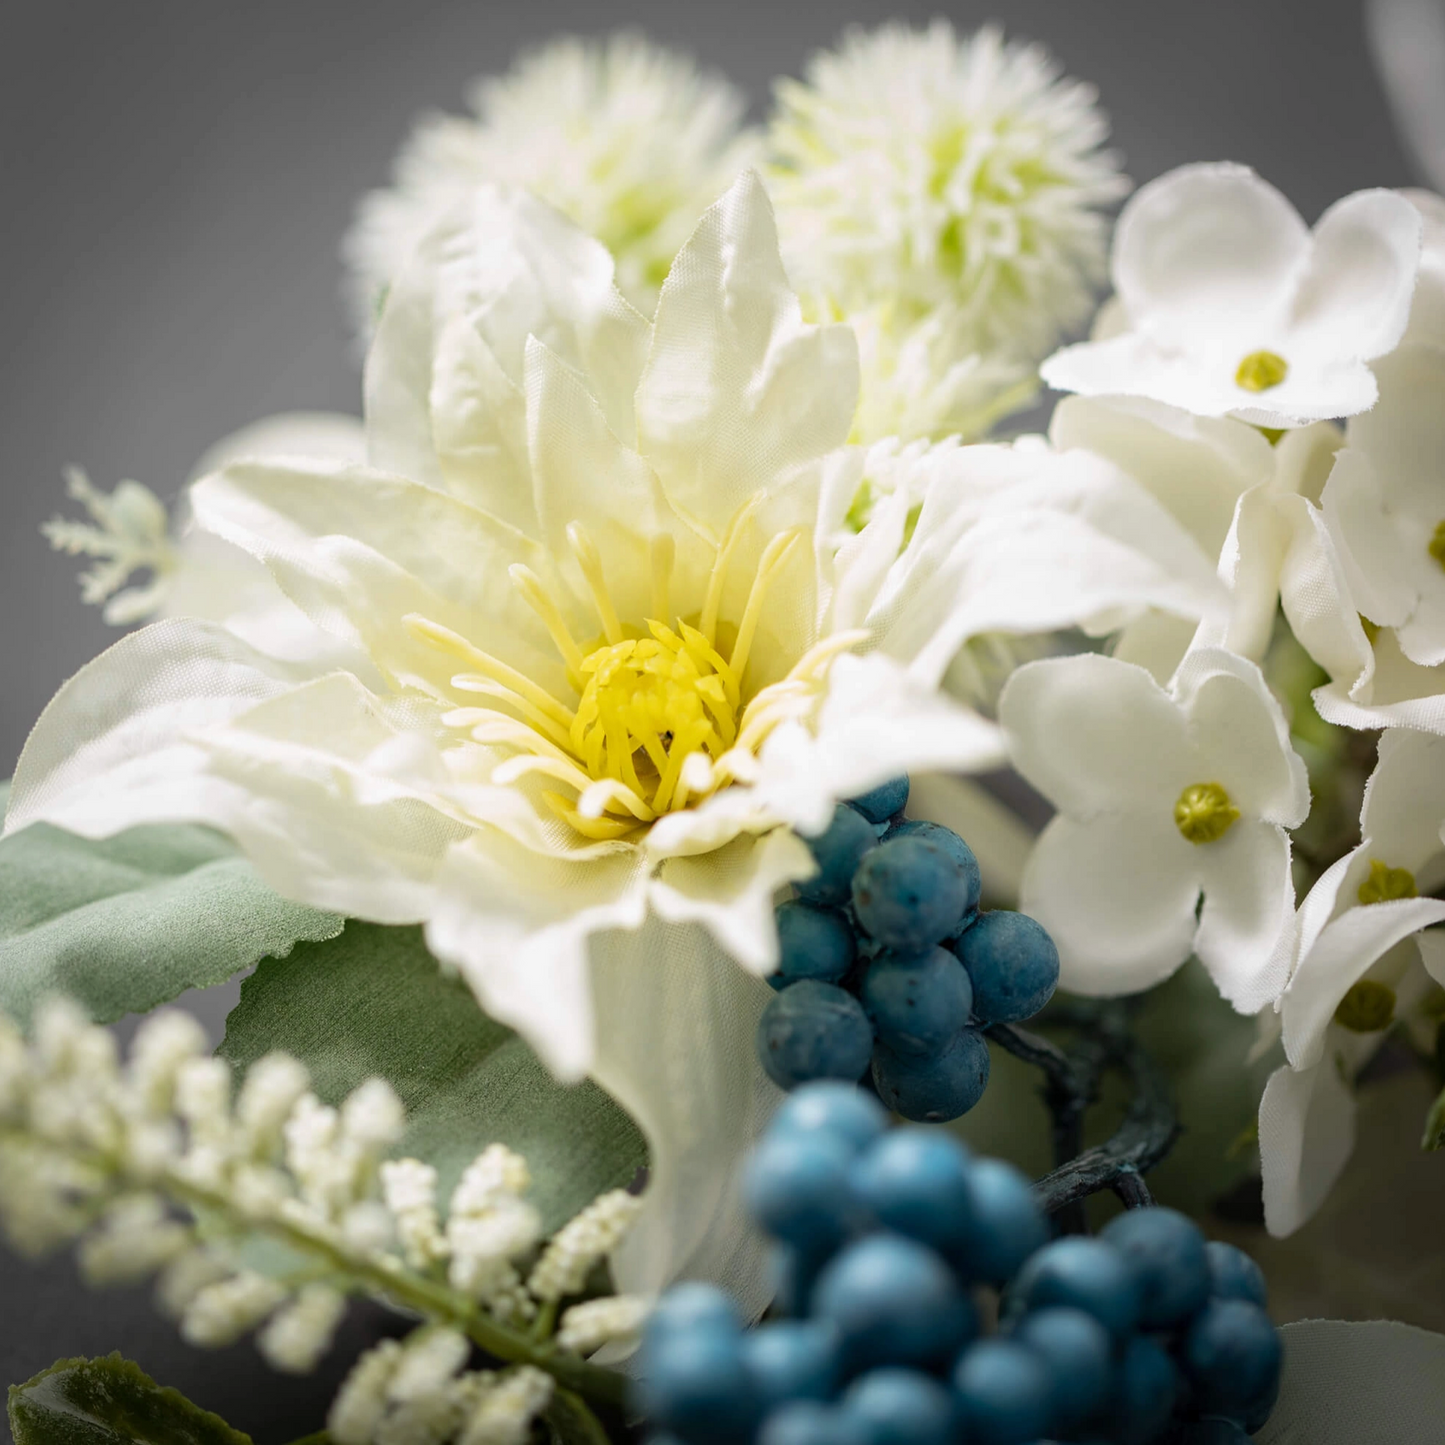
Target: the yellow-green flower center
(1367, 1008)
(660, 719)
(1437, 543)
(1204, 813)
(1385, 884)
(1261, 370)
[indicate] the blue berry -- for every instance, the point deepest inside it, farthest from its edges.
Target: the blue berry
(797, 1190)
(894, 1302)
(916, 1182)
(1007, 1224)
(1086, 1274)
(695, 1383)
(956, 849)
(1146, 1387)
(829, 1107)
(813, 943)
(792, 1360)
(885, 801)
(814, 1031)
(792, 1273)
(902, 1407)
(1013, 964)
(933, 1089)
(1232, 1354)
(917, 1002)
(1079, 1353)
(1003, 1389)
(1167, 1253)
(1233, 1274)
(1254, 1415)
(810, 1422)
(691, 1306)
(909, 893)
(837, 851)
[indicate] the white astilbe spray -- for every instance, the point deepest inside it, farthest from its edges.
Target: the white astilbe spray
(947, 191)
(629, 140)
(128, 532)
(125, 1159)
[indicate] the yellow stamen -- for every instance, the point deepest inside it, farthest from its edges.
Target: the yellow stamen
(663, 552)
(774, 559)
(1204, 813)
(591, 564)
(529, 585)
(485, 687)
(1367, 1007)
(1261, 370)
(1386, 884)
(712, 601)
(1436, 547)
(489, 666)
(600, 829)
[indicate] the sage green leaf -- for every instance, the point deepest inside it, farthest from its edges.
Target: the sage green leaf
(375, 1002)
(124, 924)
(110, 1401)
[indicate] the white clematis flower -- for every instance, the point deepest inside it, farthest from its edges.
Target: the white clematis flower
(630, 140)
(1235, 308)
(582, 570)
(1354, 973)
(1163, 796)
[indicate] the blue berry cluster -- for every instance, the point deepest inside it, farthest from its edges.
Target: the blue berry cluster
(887, 962)
(1145, 1333)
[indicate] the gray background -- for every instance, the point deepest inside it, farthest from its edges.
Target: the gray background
(175, 180)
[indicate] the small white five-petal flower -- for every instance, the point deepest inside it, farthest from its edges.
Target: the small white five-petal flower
(1235, 308)
(1163, 796)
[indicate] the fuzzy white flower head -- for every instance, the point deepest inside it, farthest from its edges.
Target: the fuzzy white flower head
(1233, 307)
(1163, 795)
(629, 140)
(934, 174)
(1354, 974)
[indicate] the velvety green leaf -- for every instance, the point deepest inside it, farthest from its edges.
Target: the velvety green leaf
(124, 924)
(375, 1002)
(110, 1401)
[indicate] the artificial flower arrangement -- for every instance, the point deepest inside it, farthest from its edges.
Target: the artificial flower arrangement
(598, 754)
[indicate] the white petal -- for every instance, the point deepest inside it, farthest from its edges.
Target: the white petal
(1250, 561)
(1118, 896)
(1247, 923)
(1432, 954)
(1427, 310)
(737, 389)
(999, 838)
(1404, 808)
(1241, 736)
(1135, 365)
(1303, 457)
(518, 927)
(359, 551)
(1197, 467)
(1306, 1136)
(1157, 642)
(730, 892)
(1398, 694)
(676, 1020)
(1094, 735)
(1354, 297)
(1206, 253)
(330, 434)
(1372, 1382)
(1315, 390)
(113, 748)
(1341, 956)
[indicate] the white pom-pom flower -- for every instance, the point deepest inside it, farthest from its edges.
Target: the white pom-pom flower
(627, 139)
(1164, 796)
(956, 182)
(1234, 307)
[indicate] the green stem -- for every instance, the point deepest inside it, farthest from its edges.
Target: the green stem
(386, 1276)
(573, 1421)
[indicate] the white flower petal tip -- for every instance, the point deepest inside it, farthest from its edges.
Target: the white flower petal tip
(1235, 308)
(1163, 795)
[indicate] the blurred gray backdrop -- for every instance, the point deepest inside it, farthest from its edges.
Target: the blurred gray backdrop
(175, 178)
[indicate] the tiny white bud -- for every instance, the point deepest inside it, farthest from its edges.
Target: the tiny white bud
(203, 1099)
(298, 1334)
(581, 1243)
(505, 1413)
(372, 1116)
(433, 1355)
(596, 1322)
(271, 1088)
(483, 1245)
(496, 1171)
(367, 1228)
(258, 1190)
(360, 1403)
(409, 1188)
(221, 1313)
(162, 1043)
(135, 1239)
(185, 1277)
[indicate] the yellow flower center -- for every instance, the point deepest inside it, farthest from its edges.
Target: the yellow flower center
(660, 720)
(1367, 1007)
(1385, 884)
(1204, 813)
(1261, 370)
(1436, 547)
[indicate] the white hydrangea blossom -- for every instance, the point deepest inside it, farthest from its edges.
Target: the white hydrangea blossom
(627, 139)
(947, 192)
